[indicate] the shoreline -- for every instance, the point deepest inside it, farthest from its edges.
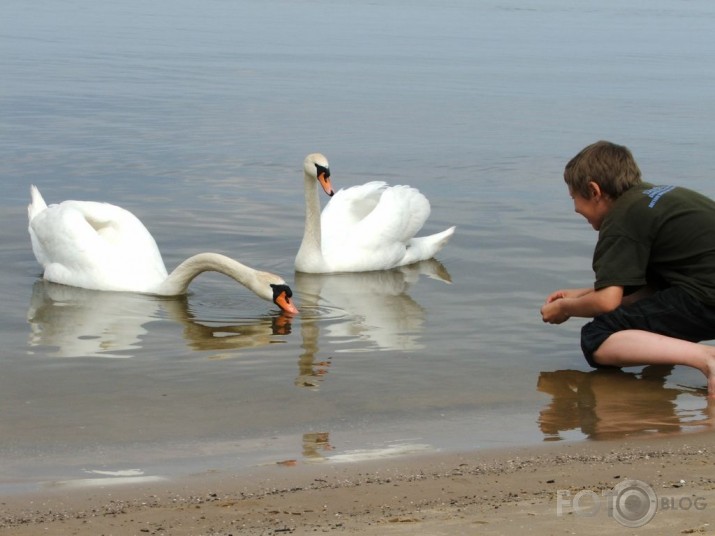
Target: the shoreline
(485, 491)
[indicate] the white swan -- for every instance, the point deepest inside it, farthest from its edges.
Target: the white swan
(363, 228)
(100, 246)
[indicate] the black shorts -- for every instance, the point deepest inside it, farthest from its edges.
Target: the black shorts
(671, 312)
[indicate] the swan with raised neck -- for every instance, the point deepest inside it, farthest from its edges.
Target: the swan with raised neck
(363, 228)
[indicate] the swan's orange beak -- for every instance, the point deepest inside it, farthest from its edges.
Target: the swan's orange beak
(284, 301)
(324, 180)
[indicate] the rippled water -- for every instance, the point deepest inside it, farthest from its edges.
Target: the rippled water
(197, 116)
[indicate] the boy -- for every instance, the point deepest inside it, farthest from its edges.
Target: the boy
(654, 294)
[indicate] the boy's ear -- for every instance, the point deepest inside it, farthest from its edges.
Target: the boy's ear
(595, 190)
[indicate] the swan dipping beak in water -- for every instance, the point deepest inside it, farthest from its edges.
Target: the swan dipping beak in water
(100, 246)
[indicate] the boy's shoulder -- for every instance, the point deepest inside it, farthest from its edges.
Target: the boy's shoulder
(648, 195)
(646, 201)
(633, 209)
(635, 197)
(676, 196)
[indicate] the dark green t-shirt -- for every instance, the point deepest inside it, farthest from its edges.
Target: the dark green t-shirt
(661, 236)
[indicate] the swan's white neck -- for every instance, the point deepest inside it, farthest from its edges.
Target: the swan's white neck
(178, 281)
(310, 255)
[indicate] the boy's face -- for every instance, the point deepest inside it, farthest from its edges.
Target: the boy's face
(595, 208)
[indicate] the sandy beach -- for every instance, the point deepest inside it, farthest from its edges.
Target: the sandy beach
(557, 488)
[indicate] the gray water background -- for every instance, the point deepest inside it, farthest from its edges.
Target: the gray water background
(197, 116)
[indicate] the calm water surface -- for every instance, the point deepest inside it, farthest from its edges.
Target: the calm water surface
(197, 117)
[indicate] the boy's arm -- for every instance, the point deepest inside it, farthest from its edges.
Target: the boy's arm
(568, 293)
(562, 305)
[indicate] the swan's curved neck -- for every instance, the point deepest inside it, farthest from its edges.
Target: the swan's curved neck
(178, 280)
(310, 255)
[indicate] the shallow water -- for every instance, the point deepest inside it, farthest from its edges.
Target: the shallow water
(197, 118)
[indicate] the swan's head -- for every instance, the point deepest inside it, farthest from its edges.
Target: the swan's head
(281, 295)
(317, 167)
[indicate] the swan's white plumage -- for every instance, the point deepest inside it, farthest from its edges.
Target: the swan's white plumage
(364, 228)
(94, 245)
(100, 246)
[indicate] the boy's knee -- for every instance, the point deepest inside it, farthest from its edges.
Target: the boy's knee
(593, 335)
(599, 360)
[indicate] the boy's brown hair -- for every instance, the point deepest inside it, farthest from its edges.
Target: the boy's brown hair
(610, 166)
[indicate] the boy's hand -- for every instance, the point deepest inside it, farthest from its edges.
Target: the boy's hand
(557, 295)
(552, 312)
(582, 302)
(567, 293)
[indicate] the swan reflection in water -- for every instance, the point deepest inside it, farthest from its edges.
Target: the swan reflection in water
(85, 323)
(612, 404)
(360, 312)
(357, 311)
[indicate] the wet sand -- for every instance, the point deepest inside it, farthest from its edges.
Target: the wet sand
(481, 492)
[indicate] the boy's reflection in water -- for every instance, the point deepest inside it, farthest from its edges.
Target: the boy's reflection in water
(610, 404)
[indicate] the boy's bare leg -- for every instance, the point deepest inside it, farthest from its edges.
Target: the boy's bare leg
(631, 348)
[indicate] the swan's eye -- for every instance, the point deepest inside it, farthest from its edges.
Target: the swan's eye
(322, 169)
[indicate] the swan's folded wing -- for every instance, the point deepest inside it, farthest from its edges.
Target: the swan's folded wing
(398, 217)
(63, 235)
(66, 245)
(346, 209)
(94, 245)
(372, 227)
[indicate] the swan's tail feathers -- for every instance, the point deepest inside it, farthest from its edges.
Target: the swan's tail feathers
(442, 238)
(37, 203)
(426, 247)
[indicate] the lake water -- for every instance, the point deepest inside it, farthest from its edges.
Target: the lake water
(197, 116)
